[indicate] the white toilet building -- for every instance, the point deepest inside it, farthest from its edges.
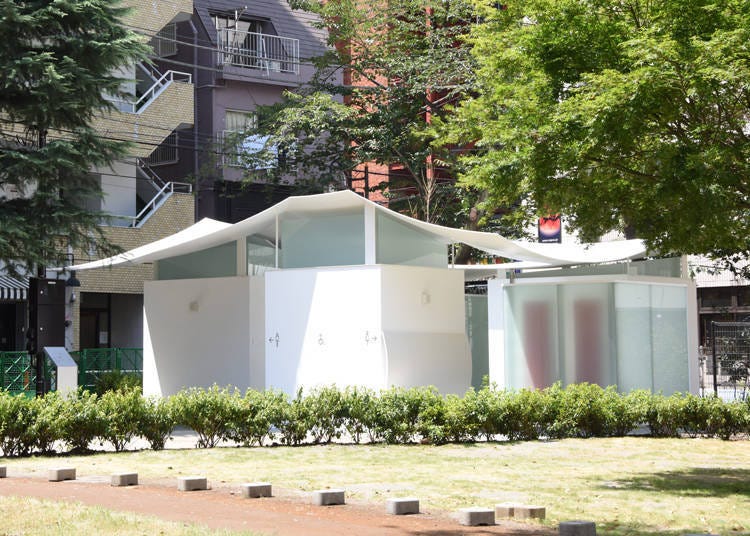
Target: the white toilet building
(334, 289)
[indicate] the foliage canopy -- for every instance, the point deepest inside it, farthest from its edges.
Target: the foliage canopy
(390, 69)
(627, 114)
(59, 61)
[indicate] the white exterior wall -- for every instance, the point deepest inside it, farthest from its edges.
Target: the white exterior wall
(119, 189)
(424, 326)
(324, 318)
(196, 333)
(374, 326)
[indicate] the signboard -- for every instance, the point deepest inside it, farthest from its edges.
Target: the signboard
(550, 229)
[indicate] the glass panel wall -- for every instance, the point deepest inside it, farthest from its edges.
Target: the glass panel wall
(531, 343)
(322, 239)
(261, 255)
(219, 261)
(398, 243)
(669, 338)
(633, 335)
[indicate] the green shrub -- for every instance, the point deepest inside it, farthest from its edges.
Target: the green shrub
(727, 419)
(17, 415)
(695, 413)
(327, 413)
(360, 413)
(123, 412)
(461, 420)
(208, 412)
(626, 412)
(255, 416)
(663, 415)
(116, 380)
(46, 428)
(401, 415)
(431, 425)
(580, 410)
(157, 421)
(294, 420)
(81, 420)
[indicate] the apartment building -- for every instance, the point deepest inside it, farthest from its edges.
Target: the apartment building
(241, 55)
(103, 308)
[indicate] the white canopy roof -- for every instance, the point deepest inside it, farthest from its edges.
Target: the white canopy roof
(209, 233)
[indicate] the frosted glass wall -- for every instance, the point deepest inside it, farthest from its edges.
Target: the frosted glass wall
(586, 342)
(633, 335)
(219, 261)
(260, 255)
(531, 351)
(322, 239)
(634, 353)
(477, 331)
(669, 338)
(398, 243)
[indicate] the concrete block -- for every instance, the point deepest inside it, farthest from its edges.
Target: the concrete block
(192, 483)
(254, 490)
(402, 506)
(522, 511)
(577, 528)
(3, 471)
(328, 497)
(59, 474)
(505, 509)
(124, 479)
(474, 516)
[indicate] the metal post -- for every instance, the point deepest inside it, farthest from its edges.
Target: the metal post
(716, 368)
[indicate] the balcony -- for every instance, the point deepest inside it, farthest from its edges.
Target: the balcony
(269, 56)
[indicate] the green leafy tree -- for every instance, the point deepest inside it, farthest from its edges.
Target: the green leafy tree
(59, 61)
(391, 69)
(625, 114)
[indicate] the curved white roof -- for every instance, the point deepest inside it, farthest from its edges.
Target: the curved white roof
(209, 233)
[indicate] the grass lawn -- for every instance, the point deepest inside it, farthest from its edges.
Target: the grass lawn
(24, 515)
(629, 486)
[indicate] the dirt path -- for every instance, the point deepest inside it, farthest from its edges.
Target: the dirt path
(222, 508)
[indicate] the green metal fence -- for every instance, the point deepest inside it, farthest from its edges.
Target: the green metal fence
(93, 363)
(18, 377)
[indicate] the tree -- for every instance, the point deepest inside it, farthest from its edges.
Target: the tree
(624, 114)
(391, 68)
(59, 61)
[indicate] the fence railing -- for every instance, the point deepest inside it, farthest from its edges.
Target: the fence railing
(252, 50)
(149, 96)
(729, 366)
(137, 220)
(18, 377)
(93, 363)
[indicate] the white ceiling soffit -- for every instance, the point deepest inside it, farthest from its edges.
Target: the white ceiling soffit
(209, 233)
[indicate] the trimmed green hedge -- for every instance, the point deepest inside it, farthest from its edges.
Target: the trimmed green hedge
(396, 416)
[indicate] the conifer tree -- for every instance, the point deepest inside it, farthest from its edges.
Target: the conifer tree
(59, 61)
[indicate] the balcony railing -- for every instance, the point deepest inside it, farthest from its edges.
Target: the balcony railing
(161, 196)
(269, 53)
(156, 89)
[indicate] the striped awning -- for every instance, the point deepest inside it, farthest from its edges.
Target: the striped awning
(13, 289)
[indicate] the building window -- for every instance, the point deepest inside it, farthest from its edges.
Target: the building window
(164, 42)
(248, 151)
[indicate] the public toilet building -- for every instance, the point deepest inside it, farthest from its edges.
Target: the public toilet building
(334, 289)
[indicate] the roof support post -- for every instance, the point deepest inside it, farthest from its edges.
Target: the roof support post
(371, 235)
(276, 243)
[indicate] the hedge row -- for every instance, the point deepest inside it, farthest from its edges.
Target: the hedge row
(322, 415)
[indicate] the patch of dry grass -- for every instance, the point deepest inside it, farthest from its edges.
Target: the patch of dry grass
(29, 516)
(629, 486)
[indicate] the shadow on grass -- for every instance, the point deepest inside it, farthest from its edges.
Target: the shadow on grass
(698, 481)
